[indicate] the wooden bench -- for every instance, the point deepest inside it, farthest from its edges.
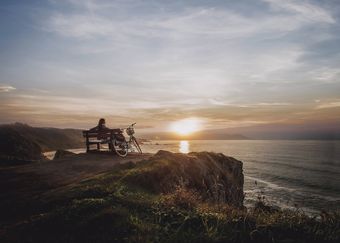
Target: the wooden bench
(99, 137)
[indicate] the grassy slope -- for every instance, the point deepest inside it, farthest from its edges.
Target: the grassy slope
(20, 142)
(48, 138)
(107, 208)
(53, 138)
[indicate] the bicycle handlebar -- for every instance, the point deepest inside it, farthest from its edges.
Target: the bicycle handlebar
(131, 125)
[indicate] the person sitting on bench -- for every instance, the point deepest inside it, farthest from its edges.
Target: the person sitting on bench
(101, 129)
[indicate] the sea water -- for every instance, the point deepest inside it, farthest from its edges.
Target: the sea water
(296, 174)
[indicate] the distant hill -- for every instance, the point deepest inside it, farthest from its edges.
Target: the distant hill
(202, 135)
(14, 147)
(304, 131)
(22, 142)
(218, 134)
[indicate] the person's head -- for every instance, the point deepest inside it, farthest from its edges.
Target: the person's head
(101, 122)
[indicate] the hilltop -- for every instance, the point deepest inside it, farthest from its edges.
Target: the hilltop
(165, 197)
(21, 142)
(47, 138)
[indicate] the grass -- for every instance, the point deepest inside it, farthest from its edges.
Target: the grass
(108, 208)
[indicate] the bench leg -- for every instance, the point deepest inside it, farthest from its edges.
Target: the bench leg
(87, 148)
(98, 146)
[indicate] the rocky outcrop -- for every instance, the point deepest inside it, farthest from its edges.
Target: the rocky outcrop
(59, 154)
(214, 176)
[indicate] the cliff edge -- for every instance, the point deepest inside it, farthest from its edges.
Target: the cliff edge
(214, 176)
(162, 197)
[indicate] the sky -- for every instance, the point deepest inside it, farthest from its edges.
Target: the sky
(228, 64)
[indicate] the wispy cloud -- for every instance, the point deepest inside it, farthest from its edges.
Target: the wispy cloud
(185, 45)
(234, 62)
(327, 105)
(79, 26)
(6, 88)
(207, 21)
(303, 9)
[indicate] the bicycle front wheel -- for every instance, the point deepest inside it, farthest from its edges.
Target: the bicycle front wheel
(136, 145)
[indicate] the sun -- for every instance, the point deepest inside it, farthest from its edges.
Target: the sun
(186, 126)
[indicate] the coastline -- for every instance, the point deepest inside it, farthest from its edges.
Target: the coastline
(293, 196)
(136, 197)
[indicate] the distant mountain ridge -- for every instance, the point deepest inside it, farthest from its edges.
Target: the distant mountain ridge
(201, 135)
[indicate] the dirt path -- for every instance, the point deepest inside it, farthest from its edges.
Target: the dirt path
(24, 184)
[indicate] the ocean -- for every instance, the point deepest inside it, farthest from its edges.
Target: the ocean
(294, 174)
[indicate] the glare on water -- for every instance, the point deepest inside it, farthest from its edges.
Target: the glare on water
(184, 147)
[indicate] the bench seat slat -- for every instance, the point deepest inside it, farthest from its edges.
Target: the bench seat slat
(105, 136)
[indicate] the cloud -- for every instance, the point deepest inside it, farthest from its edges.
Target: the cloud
(303, 9)
(328, 105)
(184, 23)
(81, 26)
(326, 74)
(6, 88)
(230, 24)
(242, 62)
(193, 44)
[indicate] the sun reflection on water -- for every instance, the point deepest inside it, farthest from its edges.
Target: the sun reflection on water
(184, 147)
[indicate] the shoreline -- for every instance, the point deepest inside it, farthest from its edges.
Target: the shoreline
(251, 195)
(85, 190)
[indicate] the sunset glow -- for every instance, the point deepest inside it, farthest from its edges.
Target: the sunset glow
(186, 126)
(263, 69)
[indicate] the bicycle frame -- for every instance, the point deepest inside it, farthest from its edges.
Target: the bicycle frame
(123, 147)
(132, 141)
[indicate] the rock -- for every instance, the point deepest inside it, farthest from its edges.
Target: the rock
(62, 154)
(214, 176)
(261, 207)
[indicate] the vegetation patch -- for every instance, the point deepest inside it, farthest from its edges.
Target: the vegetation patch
(112, 208)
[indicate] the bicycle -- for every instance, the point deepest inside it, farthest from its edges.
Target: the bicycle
(121, 146)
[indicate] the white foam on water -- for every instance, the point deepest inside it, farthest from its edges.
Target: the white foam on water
(296, 191)
(319, 196)
(270, 184)
(275, 200)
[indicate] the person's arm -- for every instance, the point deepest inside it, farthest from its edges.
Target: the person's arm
(94, 129)
(105, 128)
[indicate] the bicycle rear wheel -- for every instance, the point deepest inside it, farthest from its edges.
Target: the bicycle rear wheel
(120, 147)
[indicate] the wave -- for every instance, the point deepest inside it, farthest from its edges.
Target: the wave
(294, 166)
(294, 190)
(299, 181)
(270, 184)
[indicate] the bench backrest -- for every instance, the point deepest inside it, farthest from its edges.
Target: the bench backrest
(96, 134)
(103, 134)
